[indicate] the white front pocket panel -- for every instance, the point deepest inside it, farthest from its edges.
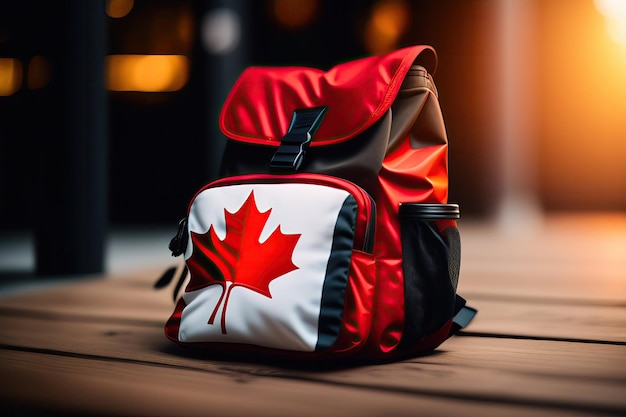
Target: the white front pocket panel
(269, 263)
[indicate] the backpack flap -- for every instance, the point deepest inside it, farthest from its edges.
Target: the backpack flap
(260, 105)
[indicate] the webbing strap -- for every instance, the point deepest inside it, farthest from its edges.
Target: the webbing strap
(463, 315)
(168, 277)
(290, 154)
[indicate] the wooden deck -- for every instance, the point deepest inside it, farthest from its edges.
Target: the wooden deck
(549, 340)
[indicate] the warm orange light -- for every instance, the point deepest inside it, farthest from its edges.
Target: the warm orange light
(10, 76)
(39, 72)
(580, 104)
(388, 21)
(295, 14)
(119, 8)
(146, 73)
(615, 13)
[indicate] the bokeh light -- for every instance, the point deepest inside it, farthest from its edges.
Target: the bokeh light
(119, 8)
(221, 31)
(295, 14)
(39, 72)
(146, 73)
(388, 21)
(10, 76)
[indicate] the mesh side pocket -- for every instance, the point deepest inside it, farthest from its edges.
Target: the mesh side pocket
(452, 238)
(430, 263)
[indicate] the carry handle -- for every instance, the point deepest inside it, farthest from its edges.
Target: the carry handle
(290, 154)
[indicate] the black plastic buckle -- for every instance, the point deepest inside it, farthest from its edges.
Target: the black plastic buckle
(290, 154)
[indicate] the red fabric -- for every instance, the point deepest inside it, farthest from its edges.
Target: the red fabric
(407, 175)
(359, 303)
(357, 93)
(432, 341)
(173, 324)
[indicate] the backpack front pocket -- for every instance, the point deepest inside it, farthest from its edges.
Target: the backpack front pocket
(271, 263)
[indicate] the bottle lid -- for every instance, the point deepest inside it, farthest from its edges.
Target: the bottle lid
(430, 211)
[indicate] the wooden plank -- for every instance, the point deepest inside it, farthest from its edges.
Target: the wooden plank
(570, 257)
(126, 297)
(572, 282)
(137, 341)
(134, 299)
(547, 319)
(573, 376)
(79, 386)
(515, 317)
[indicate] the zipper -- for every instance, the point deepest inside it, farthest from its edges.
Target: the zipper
(363, 239)
(368, 244)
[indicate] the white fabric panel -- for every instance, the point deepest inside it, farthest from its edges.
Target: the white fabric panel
(289, 319)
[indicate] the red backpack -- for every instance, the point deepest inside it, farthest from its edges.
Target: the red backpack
(328, 233)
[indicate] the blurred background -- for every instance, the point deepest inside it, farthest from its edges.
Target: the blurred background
(108, 109)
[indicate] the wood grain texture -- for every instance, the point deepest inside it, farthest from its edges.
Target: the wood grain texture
(548, 319)
(79, 386)
(569, 257)
(549, 340)
(560, 375)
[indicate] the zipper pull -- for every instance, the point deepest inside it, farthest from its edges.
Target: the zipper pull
(178, 244)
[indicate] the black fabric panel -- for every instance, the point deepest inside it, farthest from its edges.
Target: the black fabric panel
(337, 269)
(428, 290)
(357, 160)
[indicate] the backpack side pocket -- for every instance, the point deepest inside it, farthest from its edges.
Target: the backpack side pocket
(431, 262)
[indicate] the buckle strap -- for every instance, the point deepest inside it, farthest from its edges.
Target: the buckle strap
(463, 315)
(290, 154)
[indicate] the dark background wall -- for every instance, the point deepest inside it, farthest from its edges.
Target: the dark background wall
(158, 149)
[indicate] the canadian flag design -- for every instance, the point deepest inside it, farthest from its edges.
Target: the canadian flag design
(269, 265)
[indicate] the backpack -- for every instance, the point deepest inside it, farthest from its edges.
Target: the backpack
(328, 233)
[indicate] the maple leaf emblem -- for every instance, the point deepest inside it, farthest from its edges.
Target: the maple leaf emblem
(240, 258)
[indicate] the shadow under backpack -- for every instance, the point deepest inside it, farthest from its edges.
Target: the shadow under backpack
(328, 234)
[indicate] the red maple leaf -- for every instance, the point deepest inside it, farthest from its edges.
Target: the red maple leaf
(240, 258)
